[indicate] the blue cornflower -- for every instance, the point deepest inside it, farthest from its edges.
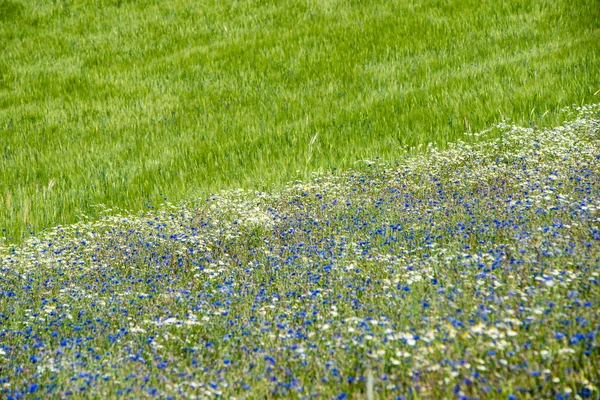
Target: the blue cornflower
(269, 359)
(162, 365)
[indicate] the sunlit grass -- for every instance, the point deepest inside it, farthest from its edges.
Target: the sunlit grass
(127, 102)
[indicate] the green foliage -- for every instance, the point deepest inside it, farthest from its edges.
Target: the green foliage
(10, 10)
(122, 102)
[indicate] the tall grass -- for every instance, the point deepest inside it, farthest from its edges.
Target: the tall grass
(123, 103)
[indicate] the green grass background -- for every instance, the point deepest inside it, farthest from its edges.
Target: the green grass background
(122, 102)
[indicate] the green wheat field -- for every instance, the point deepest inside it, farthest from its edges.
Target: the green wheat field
(126, 103)
(306, 199)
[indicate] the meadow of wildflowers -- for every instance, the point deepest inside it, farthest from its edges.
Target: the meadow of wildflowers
(471, 272)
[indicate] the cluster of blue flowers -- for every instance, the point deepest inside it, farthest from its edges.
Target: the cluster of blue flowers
(470, 272)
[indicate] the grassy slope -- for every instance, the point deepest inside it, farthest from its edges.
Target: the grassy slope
(121, 102)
